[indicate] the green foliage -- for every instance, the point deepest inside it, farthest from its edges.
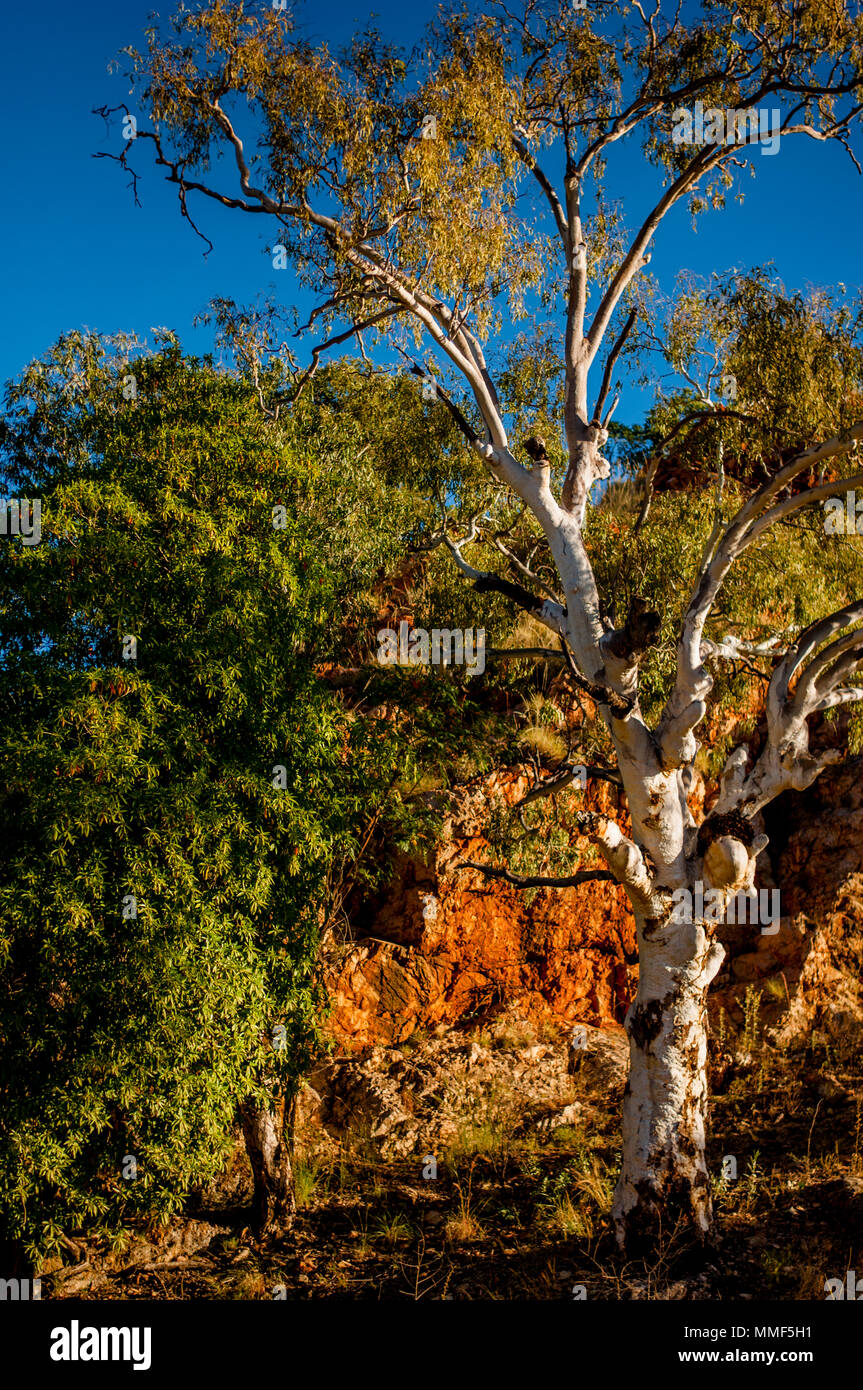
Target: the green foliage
(136, 1027)
(790, 577)
(796, 361)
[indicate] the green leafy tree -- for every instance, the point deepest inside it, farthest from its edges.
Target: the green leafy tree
(177, 782)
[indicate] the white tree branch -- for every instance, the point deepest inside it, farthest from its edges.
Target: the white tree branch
(684, 709)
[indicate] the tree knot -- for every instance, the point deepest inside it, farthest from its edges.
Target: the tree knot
(732, 823)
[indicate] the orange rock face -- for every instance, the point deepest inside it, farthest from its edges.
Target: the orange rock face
(441, 947)
(449, 946)
(565, 954)
(809, 969)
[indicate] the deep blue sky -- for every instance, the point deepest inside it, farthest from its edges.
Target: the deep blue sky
(77, 252)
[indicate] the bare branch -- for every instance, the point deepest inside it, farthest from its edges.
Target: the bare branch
(609, 366)
(686, 707)
(560, 780)
(625, 860)
(538, 881)
(527, 158)
(516, 653)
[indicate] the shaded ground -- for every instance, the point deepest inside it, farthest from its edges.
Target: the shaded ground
(519, 1210)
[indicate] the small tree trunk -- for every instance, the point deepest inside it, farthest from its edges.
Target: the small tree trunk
(664, 1185)
(268, 1145)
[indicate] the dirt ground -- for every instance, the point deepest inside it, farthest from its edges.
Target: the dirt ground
(519, 1208)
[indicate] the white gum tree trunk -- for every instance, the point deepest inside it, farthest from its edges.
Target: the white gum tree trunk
(664, 1184)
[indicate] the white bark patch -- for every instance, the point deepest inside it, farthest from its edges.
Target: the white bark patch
(664, 1174)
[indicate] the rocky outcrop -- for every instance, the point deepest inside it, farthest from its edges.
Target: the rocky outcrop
(809, 971)
(441, 945)
(439, 948)
(820, 871)
(454, 1089)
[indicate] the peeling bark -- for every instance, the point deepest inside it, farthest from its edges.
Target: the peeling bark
(664, 1185)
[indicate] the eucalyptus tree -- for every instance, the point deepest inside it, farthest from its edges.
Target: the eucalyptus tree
(434, 199)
